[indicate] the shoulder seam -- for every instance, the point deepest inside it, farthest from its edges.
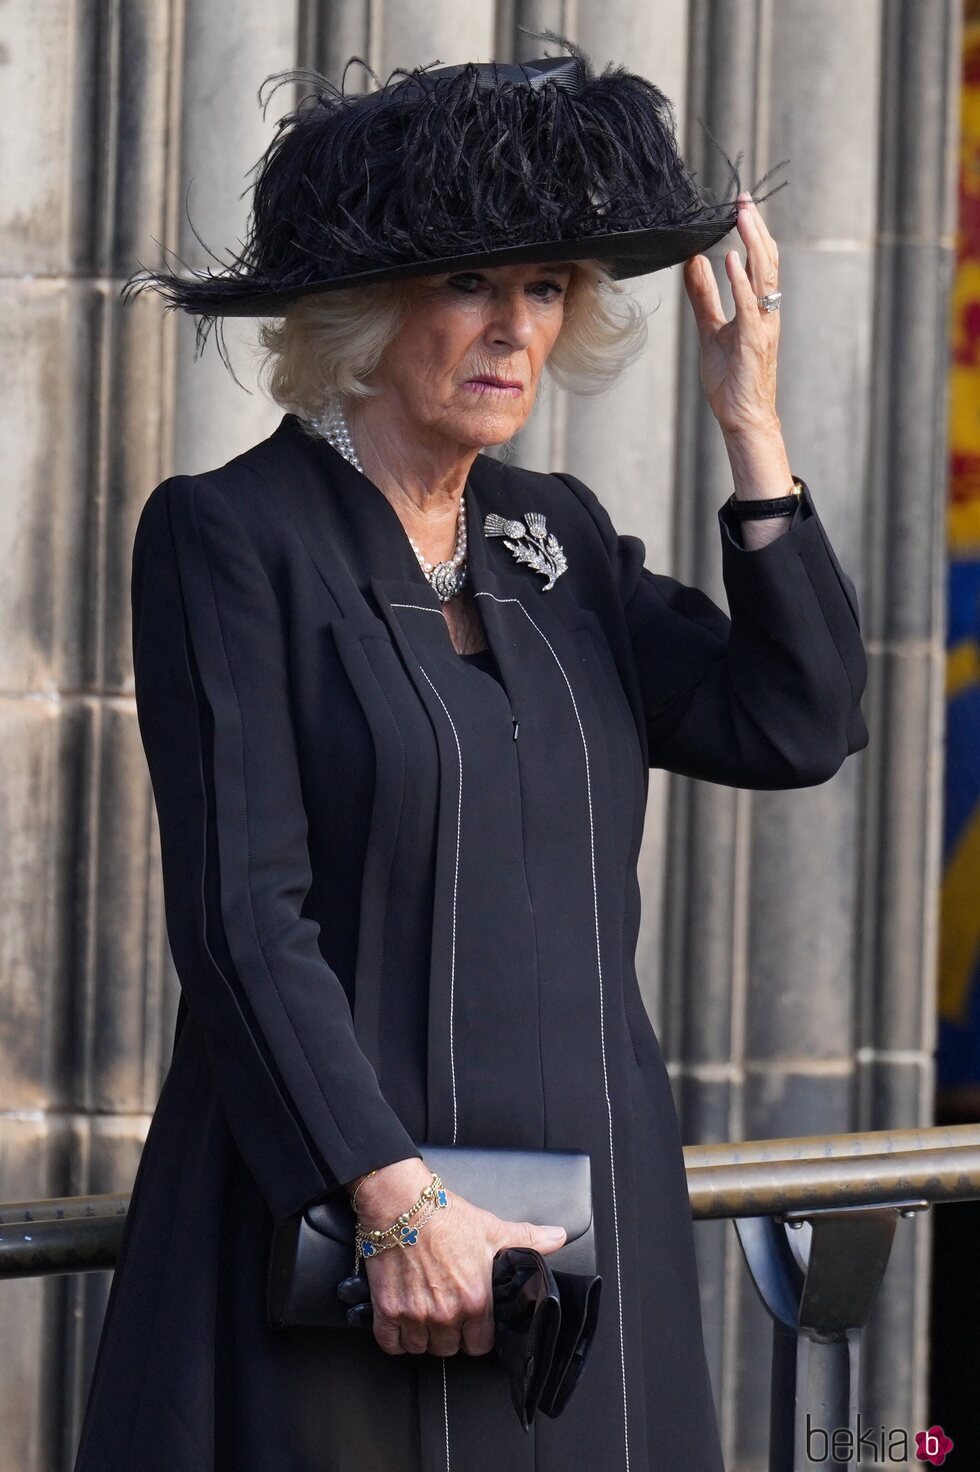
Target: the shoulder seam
(569, 481)
(240, 526)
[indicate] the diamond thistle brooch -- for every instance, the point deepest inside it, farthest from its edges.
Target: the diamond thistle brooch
(534, 545)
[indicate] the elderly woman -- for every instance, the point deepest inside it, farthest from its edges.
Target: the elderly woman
(399, 701)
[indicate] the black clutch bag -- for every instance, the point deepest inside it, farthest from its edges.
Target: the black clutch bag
(545, 1305)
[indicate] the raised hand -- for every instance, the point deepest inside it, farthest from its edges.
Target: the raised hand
(738, 356)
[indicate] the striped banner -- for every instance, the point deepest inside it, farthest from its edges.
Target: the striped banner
(959, 952)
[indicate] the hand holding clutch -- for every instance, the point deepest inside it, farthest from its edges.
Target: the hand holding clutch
(545, 1305)
(544, 1323)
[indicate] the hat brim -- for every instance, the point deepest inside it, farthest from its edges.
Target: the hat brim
(627, 254)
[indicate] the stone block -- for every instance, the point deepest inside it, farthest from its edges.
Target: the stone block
(723, 60)
(820, 99)
(905, 710)
(223, 69)
(223, 131)
(419, 32)
(651, 40)
(707, 1102)
(909, 473)
(795, 1098)
(121, 169)
(36, 868)
(896, 1093)
(102, 1152)
(825, 363)
(48, 339)
(29, 1149)
(136, 458)
(751, 941)
(920, 115)
(801, 961)
(633, 475)
(35, 214)
(216, 418)
(330, 35)
(703, 963)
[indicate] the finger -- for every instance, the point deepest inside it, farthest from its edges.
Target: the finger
(530, 1234)
(754, 218)
(387, 1334)
(748, 313)
(414, 1337)
(703, 294)
(702, 289)
(762, 261)
(444, 1341)
(764, 232)
(479, 1333)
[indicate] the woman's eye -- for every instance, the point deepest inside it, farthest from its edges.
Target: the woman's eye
(470, 283)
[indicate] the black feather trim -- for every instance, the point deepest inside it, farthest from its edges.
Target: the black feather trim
(435, 167)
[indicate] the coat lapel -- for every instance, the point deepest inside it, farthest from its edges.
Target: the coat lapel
(535, 649)
(366, 561)
(519, 616)
(354, 536)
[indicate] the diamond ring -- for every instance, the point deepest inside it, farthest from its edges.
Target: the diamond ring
(770, 303)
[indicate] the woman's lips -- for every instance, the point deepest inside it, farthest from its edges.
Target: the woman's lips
(488, 386)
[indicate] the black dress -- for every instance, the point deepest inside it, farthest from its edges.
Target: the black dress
(402, 900)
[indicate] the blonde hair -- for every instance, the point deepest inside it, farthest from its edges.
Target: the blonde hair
(325, 347)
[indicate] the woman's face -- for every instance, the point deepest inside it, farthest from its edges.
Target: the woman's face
(466, 363)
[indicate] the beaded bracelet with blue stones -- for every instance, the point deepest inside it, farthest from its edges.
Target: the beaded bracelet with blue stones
(403, 1232)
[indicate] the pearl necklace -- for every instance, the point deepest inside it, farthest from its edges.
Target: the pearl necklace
(446, 578)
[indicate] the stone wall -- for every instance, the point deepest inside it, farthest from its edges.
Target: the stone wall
(787, 955)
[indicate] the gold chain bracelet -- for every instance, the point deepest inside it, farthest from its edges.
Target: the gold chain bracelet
(402, 1232)
(353, 1194)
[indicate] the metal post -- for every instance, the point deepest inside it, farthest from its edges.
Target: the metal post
(818, 1272)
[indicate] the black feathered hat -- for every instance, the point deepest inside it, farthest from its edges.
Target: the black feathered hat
(460, 167)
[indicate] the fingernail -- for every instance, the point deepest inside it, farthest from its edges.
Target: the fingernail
(554, 1233)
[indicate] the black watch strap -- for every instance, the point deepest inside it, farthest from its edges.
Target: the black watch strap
(747, 510)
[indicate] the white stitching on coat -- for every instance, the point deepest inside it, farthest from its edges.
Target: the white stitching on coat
(602, 1028)
(452, 963)
(459, 819)
(452, 966)
(452, 985)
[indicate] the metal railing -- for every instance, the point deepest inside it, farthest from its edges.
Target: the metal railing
(815, 1219)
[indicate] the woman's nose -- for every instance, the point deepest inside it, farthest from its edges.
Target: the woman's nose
(511, 322)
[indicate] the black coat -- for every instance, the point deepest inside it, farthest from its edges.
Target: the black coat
(402, 902)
